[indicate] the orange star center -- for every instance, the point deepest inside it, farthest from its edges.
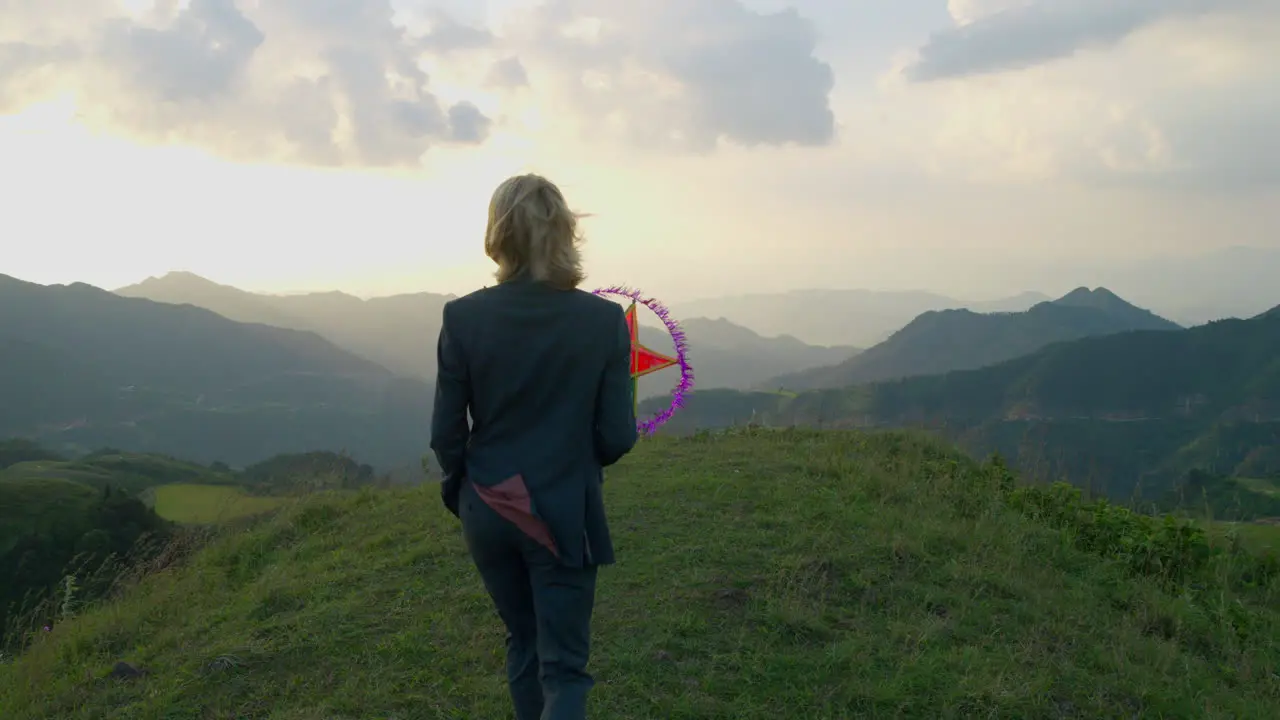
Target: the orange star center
(644, 360)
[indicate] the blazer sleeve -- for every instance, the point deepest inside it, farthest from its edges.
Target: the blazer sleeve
(450, 430)
(615, 425)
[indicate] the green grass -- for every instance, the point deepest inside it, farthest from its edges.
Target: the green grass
(1261, 485)
(784, 574)
(131, 472)
(1258, 536)
(201, 504)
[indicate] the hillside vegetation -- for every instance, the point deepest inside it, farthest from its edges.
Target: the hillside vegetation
(50, 526)
(82, 515)
(938, 342)
(762, 574)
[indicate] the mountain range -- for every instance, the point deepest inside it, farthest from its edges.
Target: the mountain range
(1231, 282)
(725, 355)
(1124, 413)
(399, 331)
(246, 376)
(858, 318)
(182, 365)
(942, 341)
(85, 368)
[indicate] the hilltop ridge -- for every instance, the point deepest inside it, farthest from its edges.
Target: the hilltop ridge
(942, 341)
(762, 574)
(860, 318)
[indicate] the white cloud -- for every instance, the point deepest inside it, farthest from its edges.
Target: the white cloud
(1177, 93)
(344, 82)
(508, 72)
(1148, 92)
(966, 12)
(994, 35)
(308, 81)
(678, 74)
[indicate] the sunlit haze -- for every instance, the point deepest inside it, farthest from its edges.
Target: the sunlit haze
(972, 147)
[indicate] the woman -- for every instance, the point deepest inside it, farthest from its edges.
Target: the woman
(544, 371)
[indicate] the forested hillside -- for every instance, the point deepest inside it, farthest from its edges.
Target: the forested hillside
(1123, 413)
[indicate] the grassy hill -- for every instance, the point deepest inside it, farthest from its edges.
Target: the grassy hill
(132, 473)
(178, 491)
(762, 574)
(204, 504)
(85, 368)
(939, 342)
(59, 516)
(56, 512)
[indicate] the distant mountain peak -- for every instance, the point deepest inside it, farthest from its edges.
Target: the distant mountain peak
(1084, 294)
(176, 279)
(1099, 298)
(323, 295)
(183, 275)
(1102, 299)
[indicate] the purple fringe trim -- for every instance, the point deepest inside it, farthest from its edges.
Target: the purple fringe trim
(651, 425)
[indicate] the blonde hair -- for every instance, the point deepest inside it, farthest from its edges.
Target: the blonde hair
(533, 232)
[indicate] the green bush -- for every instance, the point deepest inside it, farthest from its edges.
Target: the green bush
(1176, 552)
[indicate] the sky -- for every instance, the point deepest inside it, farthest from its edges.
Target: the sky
(975, 147)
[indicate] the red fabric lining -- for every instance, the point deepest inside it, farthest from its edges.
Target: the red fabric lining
(510, 499)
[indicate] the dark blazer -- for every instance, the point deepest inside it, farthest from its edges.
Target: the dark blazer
(546, 377)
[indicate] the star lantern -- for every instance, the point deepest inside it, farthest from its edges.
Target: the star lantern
(645, 361)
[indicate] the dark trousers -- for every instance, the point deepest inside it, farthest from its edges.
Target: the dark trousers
(546, 608)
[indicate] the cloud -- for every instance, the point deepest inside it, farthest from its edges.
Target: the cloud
(24, 67)
(448, 35)
(329, 82)
(508, 72)
(1177, 94)
(468, 123)
(995, 35)
(681, 75)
